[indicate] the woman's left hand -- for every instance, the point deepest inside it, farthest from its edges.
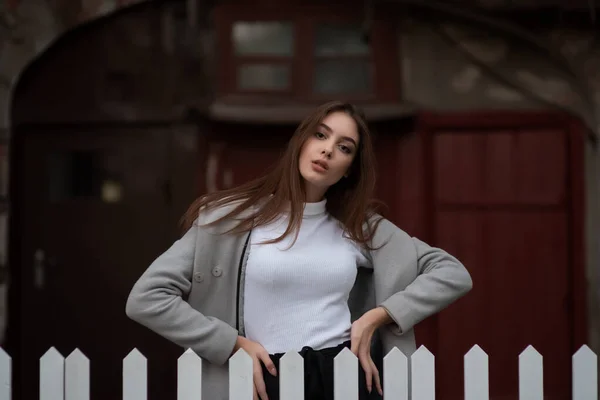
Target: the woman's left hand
(360, 336)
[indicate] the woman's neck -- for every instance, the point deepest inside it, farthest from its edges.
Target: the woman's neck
(313, 194)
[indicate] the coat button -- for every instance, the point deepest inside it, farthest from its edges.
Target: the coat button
(217, 271)
(198, 276)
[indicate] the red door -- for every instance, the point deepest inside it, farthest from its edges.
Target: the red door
(504, 200)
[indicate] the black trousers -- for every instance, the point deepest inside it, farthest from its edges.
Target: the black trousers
(318, 374)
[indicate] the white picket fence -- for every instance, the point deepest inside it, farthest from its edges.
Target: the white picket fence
(68, 379)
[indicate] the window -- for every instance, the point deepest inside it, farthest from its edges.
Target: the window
(305, 54)
(83, 175)
(263, 52)
(342, 60)
(263, 38)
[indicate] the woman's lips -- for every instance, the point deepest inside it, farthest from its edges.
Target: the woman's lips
(318, 167)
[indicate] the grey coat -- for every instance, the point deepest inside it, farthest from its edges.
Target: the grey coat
(192, 294)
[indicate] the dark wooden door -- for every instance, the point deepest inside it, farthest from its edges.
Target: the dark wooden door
(95, 207)
(503, 200)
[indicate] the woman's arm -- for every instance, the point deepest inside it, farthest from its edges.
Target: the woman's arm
(441, 280)
(157, 302)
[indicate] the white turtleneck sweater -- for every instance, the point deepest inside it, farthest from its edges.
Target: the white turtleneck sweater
(296, 297)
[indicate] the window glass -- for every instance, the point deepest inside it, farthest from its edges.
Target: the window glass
(263, 76)
(263, 38)
(340, 40)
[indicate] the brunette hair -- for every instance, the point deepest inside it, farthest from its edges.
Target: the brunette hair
(349, 200)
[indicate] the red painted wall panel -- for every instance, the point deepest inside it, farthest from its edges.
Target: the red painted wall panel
(520, 268)
(500, 167)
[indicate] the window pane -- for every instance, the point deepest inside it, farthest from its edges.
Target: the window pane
(263, 38)
(343, 76)
(82, 175)
(263, 77)
(340, 39)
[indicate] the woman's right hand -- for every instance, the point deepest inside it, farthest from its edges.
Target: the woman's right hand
(258, 354)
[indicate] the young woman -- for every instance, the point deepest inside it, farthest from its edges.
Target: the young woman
(297, 260)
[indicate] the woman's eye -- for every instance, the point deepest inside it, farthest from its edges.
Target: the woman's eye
(320, 135)
(345, 149)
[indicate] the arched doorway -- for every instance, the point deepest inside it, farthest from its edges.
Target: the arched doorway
(103, 168)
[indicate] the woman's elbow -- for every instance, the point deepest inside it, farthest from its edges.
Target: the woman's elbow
(134, 308)
(466, 282)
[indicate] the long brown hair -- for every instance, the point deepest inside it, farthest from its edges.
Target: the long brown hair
(282, 190)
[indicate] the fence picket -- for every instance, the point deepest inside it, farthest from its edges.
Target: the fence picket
(77, 376)
(291, 376)
(423, 374)
(135, 376)
(5, 375)
(52, 375)
(189, 376)
(585, 374)
(477, 375)
(395, 375)
(241, 384)
(345, 376)
(69, 379)
(531, 375)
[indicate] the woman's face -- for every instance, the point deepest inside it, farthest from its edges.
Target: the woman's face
(327, 155)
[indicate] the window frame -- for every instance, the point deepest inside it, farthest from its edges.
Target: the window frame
(241, 60)
(305, 20)
(316, 21)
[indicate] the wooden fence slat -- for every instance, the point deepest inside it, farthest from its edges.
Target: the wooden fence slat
(291, 376)
(189, 376)
(69, 379)
(395, 375)
(52, 375)
(531, 375)
(477, 376)
(241, 384)
(423, 374)
(585, 374)
(345, 376)
(77, 376)
(135, 376)
(5, 375)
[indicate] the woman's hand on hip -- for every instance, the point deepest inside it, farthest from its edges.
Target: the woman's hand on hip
(360, 336)
(258, 354)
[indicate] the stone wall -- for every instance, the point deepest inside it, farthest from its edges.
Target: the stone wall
(450, 66)
(135, 66)
(445, 66)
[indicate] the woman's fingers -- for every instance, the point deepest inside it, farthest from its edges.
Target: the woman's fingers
(259, 382)
(354, 345)
(366, 366)
(371, 371)
(376, 377)
(266, 360)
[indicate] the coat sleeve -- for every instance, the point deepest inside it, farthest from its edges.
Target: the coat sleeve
(441, 279)
(157, 302)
